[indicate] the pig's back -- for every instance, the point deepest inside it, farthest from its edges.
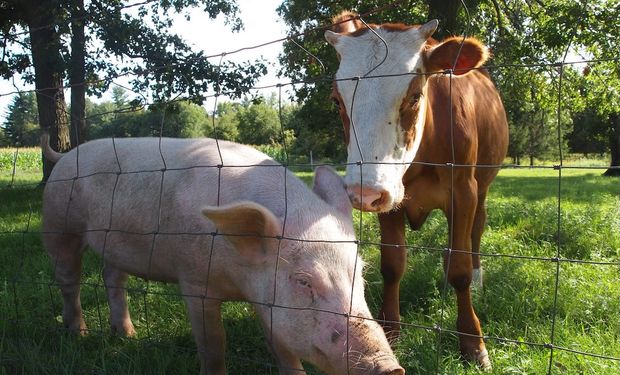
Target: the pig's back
(147, 185)
(142, 199)
(132, 155)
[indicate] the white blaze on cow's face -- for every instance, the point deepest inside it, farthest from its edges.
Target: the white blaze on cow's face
(383, 110)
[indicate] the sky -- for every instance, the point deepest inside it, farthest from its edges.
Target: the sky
(261, 25)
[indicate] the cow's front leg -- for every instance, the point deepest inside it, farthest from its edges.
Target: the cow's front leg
(458, 270)
(480, 220)
(393, 265)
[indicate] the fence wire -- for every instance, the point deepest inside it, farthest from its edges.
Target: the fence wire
(145, 293)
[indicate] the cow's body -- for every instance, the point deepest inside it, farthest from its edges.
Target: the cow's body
(454, 125)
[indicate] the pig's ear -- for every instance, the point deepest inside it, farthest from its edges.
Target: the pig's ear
(250, 227)
(330, 187)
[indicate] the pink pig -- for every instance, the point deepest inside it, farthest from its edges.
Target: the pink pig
(226, 223)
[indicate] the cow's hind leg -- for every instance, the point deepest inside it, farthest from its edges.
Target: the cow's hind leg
(480, 220)
(66, 251)
(116, 289)
(458, 269)
(393, 265)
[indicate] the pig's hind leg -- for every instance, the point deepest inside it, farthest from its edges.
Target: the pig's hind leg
(66, 251)
(116, 289)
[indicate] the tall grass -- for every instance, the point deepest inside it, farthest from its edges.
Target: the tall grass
(539, 313)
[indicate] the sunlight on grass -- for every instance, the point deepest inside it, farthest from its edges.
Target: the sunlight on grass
(520, 309)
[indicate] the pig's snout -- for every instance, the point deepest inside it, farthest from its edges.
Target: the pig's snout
(387, 365)
(380, 364)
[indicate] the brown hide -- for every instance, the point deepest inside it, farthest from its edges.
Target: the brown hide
(464, 142)
(479, 137)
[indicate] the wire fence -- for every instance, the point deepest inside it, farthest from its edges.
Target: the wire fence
(25, 315)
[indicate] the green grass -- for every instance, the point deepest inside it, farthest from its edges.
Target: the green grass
(518, 307)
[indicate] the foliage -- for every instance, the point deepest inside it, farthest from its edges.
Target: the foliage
(258, 122)
(518, 302)
(527, 39)
(24, 159)
(180, 119)
(21, 124)
(132, 39)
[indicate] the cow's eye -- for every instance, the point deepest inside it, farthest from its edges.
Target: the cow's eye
(415, 98)
(336, 102)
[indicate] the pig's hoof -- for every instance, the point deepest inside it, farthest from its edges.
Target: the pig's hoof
(123, 329)
(78, 328)
(477, 282)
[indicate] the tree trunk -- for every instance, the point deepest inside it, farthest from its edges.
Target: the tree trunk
(77, 77)
(48, 72)
(446, 12)
(614, 145)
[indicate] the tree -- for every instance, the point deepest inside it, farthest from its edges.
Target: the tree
(226, 122)
(135, 44)
(258, 122)
(587, 135)
(527, 39)
(181, 119)
(21, 125)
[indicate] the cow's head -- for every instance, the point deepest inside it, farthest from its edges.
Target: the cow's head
(381, 93)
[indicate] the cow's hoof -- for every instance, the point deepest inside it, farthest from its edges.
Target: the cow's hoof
(483, 360)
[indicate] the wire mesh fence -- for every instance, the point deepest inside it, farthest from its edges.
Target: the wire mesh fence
(550, 251)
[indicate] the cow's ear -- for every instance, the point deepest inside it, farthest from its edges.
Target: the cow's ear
(428, 28)
(330, 187)
(346, 22)
(251, 228)
(456, 53)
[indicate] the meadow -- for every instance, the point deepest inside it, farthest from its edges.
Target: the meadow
(550, 303)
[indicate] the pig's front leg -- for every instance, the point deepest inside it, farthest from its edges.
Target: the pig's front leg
(116, 289)
(206, 320)
(288, 363)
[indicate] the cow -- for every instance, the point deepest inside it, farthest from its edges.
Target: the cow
(425, 129)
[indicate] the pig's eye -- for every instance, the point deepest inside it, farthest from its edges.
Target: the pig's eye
(304, 283)
(304, 288)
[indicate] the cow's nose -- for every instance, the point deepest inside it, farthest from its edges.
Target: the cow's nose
(368, 199)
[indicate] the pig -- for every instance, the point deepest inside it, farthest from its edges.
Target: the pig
(226, 223)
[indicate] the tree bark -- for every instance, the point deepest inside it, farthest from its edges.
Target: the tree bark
(48, 71)
(614, 145)
(77, 76)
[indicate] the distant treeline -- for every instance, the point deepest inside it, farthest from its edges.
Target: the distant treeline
(275, 127)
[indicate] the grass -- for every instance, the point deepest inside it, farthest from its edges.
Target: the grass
(519, 308)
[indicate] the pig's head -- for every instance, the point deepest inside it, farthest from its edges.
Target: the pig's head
(316, 310)
(380, 90)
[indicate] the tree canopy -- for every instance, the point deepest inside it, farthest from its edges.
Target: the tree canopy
(53, 43)
(531, 42)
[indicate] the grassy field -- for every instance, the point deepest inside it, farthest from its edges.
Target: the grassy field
(539, 315)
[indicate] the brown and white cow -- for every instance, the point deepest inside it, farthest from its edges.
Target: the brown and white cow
(404, 97)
